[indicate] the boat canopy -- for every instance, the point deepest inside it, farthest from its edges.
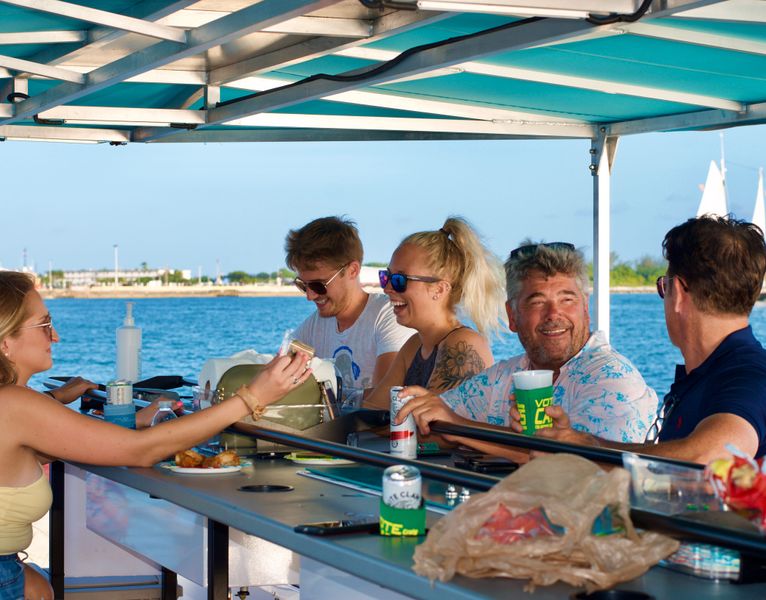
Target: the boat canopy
(124, 71)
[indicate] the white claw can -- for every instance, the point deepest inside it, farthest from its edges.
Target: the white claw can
(119, 392)
(404, 438)
(402, 487)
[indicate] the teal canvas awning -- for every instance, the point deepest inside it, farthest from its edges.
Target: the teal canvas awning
(231, 70)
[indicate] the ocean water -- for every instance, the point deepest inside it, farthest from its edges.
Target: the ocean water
(179, 334)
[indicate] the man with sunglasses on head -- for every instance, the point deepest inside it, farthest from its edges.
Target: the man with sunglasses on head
(715, 275)
(356, 329)
(547, 306)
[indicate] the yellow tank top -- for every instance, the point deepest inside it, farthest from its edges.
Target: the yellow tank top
(19, 508)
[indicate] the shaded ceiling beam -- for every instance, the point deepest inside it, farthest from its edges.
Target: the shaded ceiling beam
(415, 103)
(26, 66)
(752, 11)
(324, 135)
(250, 19)
(385, 26)
(585, 83)
(62, 134)
(413, 124)
(101, 36)
(699, 38)
(123, 116)
(452, 53)
(706, 119)
(102, 17)
(304, 25)
(43, 37)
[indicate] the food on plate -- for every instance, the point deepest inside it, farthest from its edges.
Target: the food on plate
(191, 459)
(188, 459)
(228, 458)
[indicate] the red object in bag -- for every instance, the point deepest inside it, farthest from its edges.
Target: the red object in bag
(505, 528)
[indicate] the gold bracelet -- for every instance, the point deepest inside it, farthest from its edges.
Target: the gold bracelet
(251, 400)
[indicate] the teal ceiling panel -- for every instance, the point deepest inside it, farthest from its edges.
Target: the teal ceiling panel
(534, 97)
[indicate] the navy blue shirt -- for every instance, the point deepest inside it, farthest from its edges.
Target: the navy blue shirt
(731, 380)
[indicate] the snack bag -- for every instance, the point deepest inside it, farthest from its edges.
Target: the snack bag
(537, 524)
(741, 483)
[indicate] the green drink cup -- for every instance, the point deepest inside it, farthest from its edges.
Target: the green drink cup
(534, 393)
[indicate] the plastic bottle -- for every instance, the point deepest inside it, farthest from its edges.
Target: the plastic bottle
(165, 413)
(129, 348)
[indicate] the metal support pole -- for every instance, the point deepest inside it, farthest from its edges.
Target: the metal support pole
(169, 585)
(56, 530)
(217, 560)
(602, 155)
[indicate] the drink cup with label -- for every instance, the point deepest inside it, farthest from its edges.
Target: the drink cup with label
(534, 393)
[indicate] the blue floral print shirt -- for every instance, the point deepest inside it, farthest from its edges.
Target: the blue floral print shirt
(600, 390)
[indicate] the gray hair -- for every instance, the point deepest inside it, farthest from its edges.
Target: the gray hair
(549, 261)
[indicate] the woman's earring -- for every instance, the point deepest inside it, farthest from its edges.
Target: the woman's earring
(435, 297)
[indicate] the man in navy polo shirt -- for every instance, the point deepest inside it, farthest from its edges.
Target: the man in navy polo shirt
(715, 273)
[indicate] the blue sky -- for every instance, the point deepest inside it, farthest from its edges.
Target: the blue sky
(187, 205)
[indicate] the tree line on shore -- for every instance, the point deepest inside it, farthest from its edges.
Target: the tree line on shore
(641, 272)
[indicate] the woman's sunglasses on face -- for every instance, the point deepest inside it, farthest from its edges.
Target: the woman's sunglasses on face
(47, 325)
(399, 281)
(315, 285)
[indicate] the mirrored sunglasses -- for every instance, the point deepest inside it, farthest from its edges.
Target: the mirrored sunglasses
(399, 281)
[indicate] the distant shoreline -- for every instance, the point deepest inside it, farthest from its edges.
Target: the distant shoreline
(218, 291)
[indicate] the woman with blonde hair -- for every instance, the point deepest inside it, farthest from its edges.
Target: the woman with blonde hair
(430, 275)
(34, 427)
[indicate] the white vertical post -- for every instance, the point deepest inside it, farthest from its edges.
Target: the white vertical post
(602, 154)
(116, 266)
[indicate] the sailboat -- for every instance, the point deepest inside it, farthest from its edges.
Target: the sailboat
(713, 194)
(759, 212)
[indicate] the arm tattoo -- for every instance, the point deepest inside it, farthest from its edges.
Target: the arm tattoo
(456, 364)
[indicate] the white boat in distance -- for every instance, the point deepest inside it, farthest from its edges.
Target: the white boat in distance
(713, 194)
(759, 212)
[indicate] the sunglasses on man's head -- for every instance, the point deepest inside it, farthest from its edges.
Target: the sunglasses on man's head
(315, 285)
(399, 281)
(530, 249)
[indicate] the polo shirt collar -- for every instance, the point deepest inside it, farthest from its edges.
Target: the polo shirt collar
(734, 340)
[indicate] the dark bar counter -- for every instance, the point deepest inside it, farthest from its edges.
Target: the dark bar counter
(383, 561)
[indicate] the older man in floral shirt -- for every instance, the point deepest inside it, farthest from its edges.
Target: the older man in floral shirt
(600, 390)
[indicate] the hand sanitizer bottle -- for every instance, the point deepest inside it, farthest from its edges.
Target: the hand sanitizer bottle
(129, 348)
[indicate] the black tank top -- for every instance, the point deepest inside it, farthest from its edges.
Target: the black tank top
(420, 369)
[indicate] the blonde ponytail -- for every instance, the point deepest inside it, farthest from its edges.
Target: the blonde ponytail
(456, 254)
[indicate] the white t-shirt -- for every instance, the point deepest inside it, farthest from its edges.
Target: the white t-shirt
(356, 349)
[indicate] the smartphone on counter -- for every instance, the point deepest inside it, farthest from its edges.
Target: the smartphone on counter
(486, 464)
(339, 527)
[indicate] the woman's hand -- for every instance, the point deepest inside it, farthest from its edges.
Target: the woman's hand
(280, 377)
(72, 390)
(425, 407)
(146, 414)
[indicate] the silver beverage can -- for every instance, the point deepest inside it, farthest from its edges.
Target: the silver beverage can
(119, 392)
(402, 487)
(404, 438)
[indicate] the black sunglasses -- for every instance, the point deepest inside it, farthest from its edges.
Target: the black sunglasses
(398, 281)
(530, 249)
(315, 285)
(663, 281)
